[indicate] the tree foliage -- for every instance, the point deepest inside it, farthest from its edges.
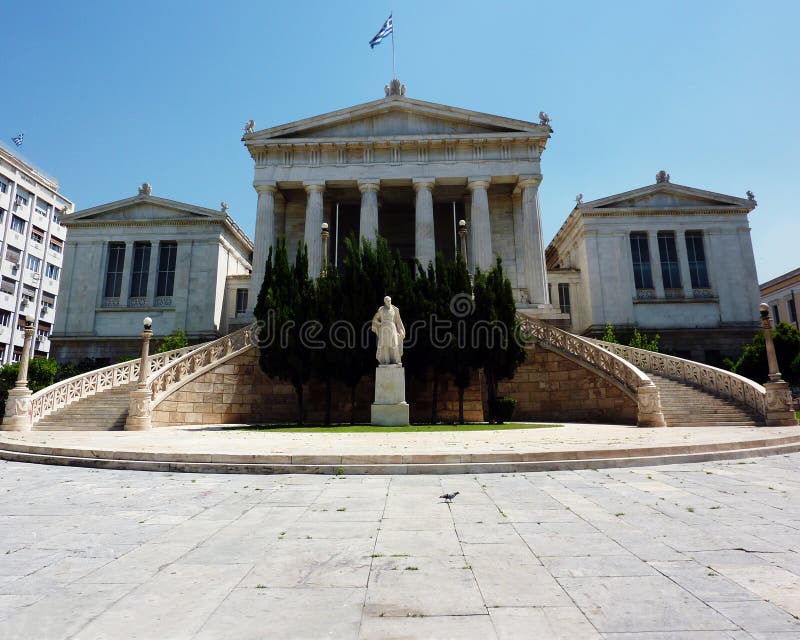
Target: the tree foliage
(177, 340)
(753, 361)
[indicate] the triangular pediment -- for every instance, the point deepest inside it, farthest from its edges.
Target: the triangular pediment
(141, 208)
(396, 116)
(665, 195)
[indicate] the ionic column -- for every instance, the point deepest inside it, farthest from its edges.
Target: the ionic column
(481, 232)
(532, 245)
(424, 240)
(265, 236)
(519, 256)
(683, 263)
(655, 265)
(313, 225)
(368, 221)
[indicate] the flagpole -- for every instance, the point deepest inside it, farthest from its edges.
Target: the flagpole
(394, 67)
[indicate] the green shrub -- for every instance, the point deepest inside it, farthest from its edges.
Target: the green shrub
(503, 409)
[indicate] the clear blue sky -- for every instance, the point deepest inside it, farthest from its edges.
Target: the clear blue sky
(112, 94)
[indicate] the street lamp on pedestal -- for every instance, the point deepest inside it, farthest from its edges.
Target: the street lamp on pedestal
(140, 408)
(779, 396)
(462, 238)
(18, 415)
(325, 235)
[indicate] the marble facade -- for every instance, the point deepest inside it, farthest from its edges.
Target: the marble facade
(103, 305)
(409, 170)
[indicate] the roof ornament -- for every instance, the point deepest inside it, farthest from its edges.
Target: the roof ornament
(579, 199)
(249, 126)
(223, 206)
(544, 119)
(145, 189)
(662, 176)
(394, 88)
(751, 196)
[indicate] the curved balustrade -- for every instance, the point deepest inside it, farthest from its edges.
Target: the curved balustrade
(619, 369)
(61, 394)
(164, 381)
(716, 381)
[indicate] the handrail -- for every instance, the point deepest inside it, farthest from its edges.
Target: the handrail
(163, 381)
(716, 381)
(626, 374)
(65, 392)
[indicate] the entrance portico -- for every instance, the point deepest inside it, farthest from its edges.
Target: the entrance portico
(407, 170)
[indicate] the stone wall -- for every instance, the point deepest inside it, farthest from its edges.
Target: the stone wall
(550, 387)
(238, 391)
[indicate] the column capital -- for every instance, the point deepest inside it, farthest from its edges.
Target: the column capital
(265, 186)
(314, 187)
(423, 183)
(478, 182)
(528, 181)
(369, 184)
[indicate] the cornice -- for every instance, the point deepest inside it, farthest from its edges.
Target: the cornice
(644, 211)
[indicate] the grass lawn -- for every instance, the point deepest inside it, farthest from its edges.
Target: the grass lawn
(414, 428)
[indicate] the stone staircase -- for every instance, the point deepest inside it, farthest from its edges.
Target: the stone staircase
(104, 411)
(684, 405)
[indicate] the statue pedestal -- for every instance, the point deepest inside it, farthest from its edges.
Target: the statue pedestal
(390, 408)
(779, 405)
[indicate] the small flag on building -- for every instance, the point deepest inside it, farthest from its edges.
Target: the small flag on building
(384, 32)
(18, 139)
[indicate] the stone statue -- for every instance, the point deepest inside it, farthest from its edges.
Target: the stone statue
(249, 126)
(145, 189)
(662, 176)
(751, 196)
(579, 199)
(388, 326)
(223, 206)
(544, 118)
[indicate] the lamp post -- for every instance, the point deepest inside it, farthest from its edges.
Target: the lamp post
(140, 408)
(18, 414)
(462, 237)
(779, 396)
(325, 234)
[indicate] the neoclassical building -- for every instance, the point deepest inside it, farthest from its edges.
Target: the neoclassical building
(665, 258)
(782, 294)
(185, 266)
(408, 170)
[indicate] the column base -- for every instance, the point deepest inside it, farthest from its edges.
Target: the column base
(18, 415)
(139, 411)
(779, 405)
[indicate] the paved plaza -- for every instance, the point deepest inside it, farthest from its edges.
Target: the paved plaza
(696, 551)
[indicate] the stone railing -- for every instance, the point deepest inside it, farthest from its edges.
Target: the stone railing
(163, 381)
(61, 394)
(716, 381)
(624, 373)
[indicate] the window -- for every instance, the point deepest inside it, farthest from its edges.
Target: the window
(56, 245)
(7, 285)
(697, 260)
(21, 197)
(5, 318)
(28, 294)
(2, 214)
(241, 301)
(668, 252)
(792, 310)
(563, 297)
(776, 315)
(141, 267)
(42, 208)
(13, 254)
(640, 253)
(48, 300)
(34, 263)
(37, 235)
(167, 253)
(52, 271)
(3, 186)
(18, 224)
(116, 260)
(43, 331)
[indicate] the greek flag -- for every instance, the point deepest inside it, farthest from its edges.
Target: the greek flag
(18, 139)
(384, 32)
